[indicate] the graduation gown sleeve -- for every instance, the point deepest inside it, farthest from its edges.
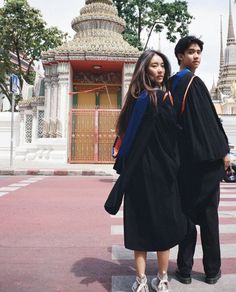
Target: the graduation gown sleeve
(115, 197)
(206, 140)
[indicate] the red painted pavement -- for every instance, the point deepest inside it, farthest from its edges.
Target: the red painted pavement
(55, 236)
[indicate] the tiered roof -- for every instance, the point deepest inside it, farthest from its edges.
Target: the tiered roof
(98, 36)
(228, 68)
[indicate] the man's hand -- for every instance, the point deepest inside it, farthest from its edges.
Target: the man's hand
(227, 161)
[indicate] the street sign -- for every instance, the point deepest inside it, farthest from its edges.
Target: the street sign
(14, 84)
(15, 90)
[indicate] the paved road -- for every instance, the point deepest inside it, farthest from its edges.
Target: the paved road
(56, 237)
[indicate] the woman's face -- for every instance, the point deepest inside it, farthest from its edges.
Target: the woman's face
(156, 69)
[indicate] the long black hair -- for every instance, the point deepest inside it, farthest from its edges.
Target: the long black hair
(141, 81)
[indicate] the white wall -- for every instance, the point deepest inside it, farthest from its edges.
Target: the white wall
(55, 149)
(229, 124)
(5, 133)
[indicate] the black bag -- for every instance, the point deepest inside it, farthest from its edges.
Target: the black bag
(114, 200)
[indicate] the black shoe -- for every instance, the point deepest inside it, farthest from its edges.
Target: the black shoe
(213, 279)
(183, 278)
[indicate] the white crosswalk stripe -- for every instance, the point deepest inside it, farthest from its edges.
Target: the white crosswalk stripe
(8, 189)
(119, 252)
(227, 203)
(226, 191)
(19, 185)
(226, 284)
(222, 214)
(15, 186)
(224, 228)
(227, 196)
(3, 193)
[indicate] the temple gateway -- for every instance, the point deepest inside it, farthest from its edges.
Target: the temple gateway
(72, 119)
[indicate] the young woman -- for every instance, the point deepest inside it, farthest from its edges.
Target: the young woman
(147, 163)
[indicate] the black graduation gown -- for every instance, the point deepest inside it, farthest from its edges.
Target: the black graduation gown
(202, 145)
(153, 217)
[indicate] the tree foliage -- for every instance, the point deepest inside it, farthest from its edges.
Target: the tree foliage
(23, 33)
(5, 69)
(143, 17)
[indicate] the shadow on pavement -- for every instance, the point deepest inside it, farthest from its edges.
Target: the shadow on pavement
(101, 271)
(95, 270)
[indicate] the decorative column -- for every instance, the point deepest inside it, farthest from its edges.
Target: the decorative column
(22, 128)
(53, 106)
(28, 126)
(34, 125)
(47, 108)
(63, 99)
(127, 73)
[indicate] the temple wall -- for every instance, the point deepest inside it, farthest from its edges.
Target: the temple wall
(229, 124)
(5, 134)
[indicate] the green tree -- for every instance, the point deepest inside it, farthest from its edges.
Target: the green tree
(24, 33)
(5, 69)
(143, 17)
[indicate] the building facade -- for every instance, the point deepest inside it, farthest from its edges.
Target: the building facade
(72, 118)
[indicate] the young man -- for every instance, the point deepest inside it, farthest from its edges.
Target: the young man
(203, 148)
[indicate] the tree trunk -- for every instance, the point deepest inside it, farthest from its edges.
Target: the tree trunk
(139, 24)
(149, 35)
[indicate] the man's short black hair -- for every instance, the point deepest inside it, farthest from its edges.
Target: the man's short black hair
(185, 42)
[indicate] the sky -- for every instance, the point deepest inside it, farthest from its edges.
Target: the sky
(206, 25)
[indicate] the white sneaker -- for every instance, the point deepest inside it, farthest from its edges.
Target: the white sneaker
(159, 284)
(140, 285)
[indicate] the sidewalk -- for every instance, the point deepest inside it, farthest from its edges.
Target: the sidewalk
(54, 168)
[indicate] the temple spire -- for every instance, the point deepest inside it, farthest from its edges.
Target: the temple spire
(213, 88)
(231, 35)
(109, 2)
(221, 50)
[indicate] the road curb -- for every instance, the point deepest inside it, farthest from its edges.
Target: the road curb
(54, 172)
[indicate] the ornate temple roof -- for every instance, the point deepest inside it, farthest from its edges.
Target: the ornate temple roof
(228, 68)
(231, 35)
(98, 36)
(230, 51)
(221, 51)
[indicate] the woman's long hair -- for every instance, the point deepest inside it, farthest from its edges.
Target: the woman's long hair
(140, 81)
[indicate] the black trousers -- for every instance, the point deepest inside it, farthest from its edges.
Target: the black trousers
(201, 205)
(209, 230)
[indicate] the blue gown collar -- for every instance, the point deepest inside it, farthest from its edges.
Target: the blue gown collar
(178, 76)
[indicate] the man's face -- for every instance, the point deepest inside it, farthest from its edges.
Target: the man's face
(191, 57)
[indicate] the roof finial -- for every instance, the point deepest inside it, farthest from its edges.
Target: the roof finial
(221, 50)
(231, 36)
(109, 2)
